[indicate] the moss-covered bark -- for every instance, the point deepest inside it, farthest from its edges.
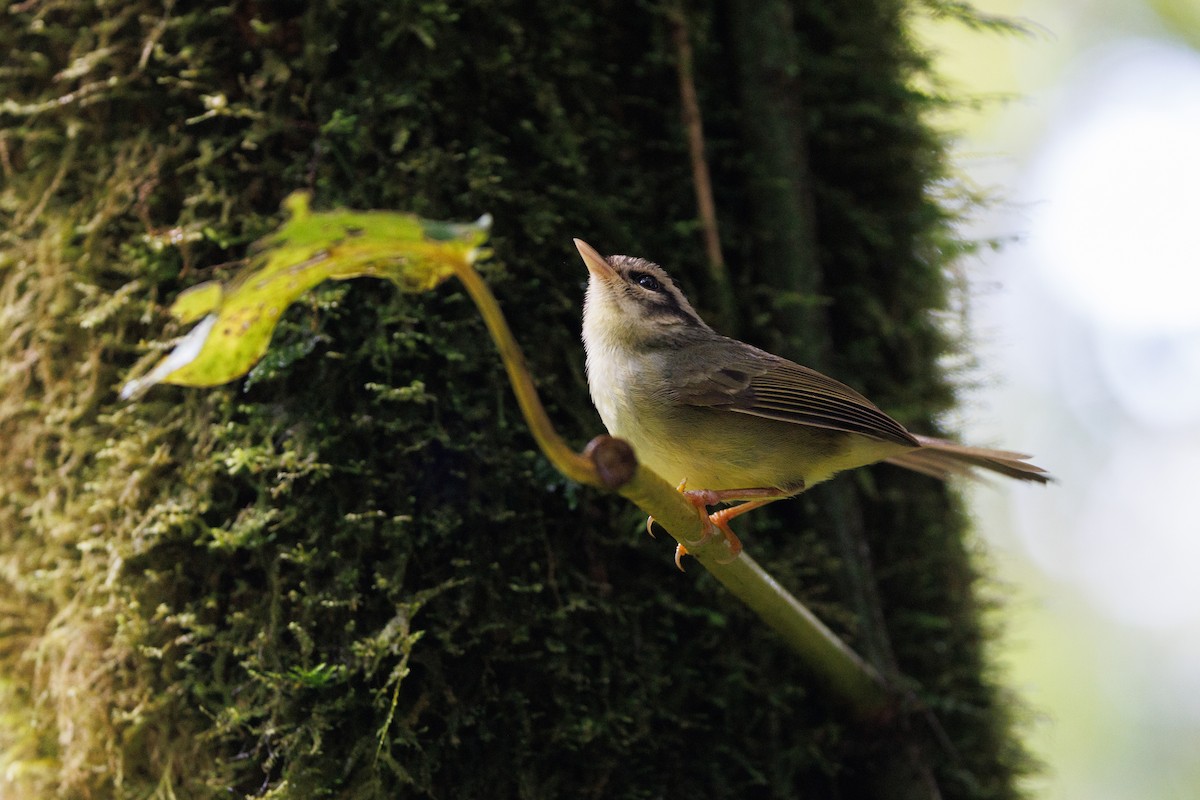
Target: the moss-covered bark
(350, 575)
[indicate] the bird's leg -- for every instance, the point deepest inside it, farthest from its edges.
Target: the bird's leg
(710, 497)
(721, 518)
(703, 498)
(702, 507)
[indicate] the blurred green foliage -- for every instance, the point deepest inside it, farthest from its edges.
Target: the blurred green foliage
(351, 575)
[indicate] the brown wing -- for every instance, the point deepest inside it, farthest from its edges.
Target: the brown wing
(751, 381)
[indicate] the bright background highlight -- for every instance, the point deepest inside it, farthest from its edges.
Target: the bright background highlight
(1087, 325)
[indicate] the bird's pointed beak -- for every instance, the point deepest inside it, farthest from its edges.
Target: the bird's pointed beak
(595, 262)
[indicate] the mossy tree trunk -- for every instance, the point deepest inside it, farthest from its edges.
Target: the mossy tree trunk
(350, 574)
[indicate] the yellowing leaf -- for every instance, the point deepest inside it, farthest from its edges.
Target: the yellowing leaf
(309, 248)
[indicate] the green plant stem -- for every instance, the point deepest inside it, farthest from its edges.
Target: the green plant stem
(611, 464)
(564, 459)
(843, 670)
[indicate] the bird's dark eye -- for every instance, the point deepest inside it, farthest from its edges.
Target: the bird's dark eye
(646, 281)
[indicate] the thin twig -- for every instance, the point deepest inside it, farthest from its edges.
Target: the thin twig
(693, 126)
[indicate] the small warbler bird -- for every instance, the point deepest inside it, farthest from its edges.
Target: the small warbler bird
(734, 422)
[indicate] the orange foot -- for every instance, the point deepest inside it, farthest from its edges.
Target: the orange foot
(720, 519)
(703, 498)
(754, 498)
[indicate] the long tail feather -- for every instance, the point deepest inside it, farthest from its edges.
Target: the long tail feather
(942, 459)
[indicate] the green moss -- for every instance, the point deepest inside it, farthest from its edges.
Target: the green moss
(350, 575)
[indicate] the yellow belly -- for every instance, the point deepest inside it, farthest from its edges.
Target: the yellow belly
(717, 449)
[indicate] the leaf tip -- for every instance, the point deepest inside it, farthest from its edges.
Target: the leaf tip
(297, 204)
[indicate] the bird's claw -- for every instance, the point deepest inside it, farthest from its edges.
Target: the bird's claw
(702, 499)
(680, 552)
(650, 520)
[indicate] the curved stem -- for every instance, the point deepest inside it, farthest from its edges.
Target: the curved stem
(566, 460)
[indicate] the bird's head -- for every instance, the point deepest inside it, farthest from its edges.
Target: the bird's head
(633, 301)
